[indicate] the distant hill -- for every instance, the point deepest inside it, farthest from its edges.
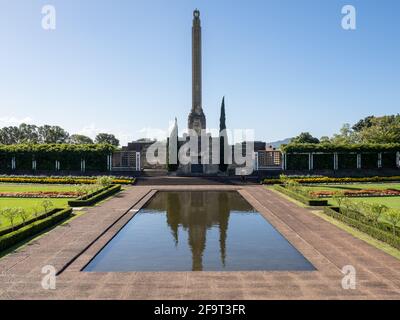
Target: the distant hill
(277, 144)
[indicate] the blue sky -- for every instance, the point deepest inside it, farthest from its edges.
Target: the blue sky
(285, 66)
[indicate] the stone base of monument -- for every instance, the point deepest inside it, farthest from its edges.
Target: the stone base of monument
(196, 170)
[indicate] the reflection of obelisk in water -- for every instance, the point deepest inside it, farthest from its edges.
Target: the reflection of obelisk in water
(197, 119)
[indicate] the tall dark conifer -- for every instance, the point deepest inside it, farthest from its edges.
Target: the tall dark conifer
(222, 137)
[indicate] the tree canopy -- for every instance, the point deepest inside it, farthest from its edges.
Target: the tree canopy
(47, 134)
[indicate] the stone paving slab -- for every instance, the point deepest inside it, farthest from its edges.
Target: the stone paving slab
(72, 245)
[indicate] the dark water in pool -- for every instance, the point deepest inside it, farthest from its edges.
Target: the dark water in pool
(198, 231)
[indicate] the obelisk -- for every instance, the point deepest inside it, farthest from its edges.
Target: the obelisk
(197, 119)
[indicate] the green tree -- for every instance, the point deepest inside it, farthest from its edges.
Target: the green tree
(28, 133)
(384, 129)
(9, 214)
(393, 216)
(346, 136)
(173, 149)
(53, 134)
(47, 204)
(107, 138)
(9, 135)
(223, 138)
(363, 123)
(305, 137)
(80, 139)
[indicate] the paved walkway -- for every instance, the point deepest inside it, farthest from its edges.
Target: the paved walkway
(71, 246)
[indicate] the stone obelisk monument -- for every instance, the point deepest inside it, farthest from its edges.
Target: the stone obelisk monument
(197, 119)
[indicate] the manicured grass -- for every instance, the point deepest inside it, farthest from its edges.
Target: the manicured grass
(28, 204)
(18, 187)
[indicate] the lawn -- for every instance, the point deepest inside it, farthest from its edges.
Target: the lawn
(31, 203)
(18, 187)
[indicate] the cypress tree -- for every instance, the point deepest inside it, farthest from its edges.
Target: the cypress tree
(222, 137)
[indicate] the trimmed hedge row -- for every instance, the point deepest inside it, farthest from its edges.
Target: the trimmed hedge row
(10, 239)
(301, 198)
(368, 229)
(360, 217)
(312, 180)
(6, 230)
(61, 180)
(332, 147)
(69, 155)
(94, 197)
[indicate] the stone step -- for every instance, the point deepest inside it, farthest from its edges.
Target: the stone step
(161, 181)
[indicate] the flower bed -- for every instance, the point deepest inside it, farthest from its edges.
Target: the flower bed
(358, 193)
(62, 180)
(40, 194)
(329, 180)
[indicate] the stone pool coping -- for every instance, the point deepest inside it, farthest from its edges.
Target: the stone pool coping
(71, 246)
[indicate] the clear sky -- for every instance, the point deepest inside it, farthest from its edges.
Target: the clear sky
(124, 66)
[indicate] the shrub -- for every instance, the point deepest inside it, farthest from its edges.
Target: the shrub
(10, 239)
(104, 181)
(374, 232)
(393, 216)
(92, 198)
(300, 197)
(10, 214)
(23, 214)
(47, 204)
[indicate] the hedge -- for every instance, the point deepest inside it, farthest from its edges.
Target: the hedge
(301, 198)
(368, 229)
(6, 230)
(326, 180)
(330, 147)
(10, 239)
(62, 180)
(95, 197)
(69, 155)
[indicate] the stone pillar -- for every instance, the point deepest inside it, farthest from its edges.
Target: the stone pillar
(284, 166)
(109, 162)
(398, 159)
(83, 165)
(310, 161)
(57, 165)
(359, 159)
(379, 160)
(33, 164)
(138, 161)
(256, 161)
(13, 163)
(335, 161)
